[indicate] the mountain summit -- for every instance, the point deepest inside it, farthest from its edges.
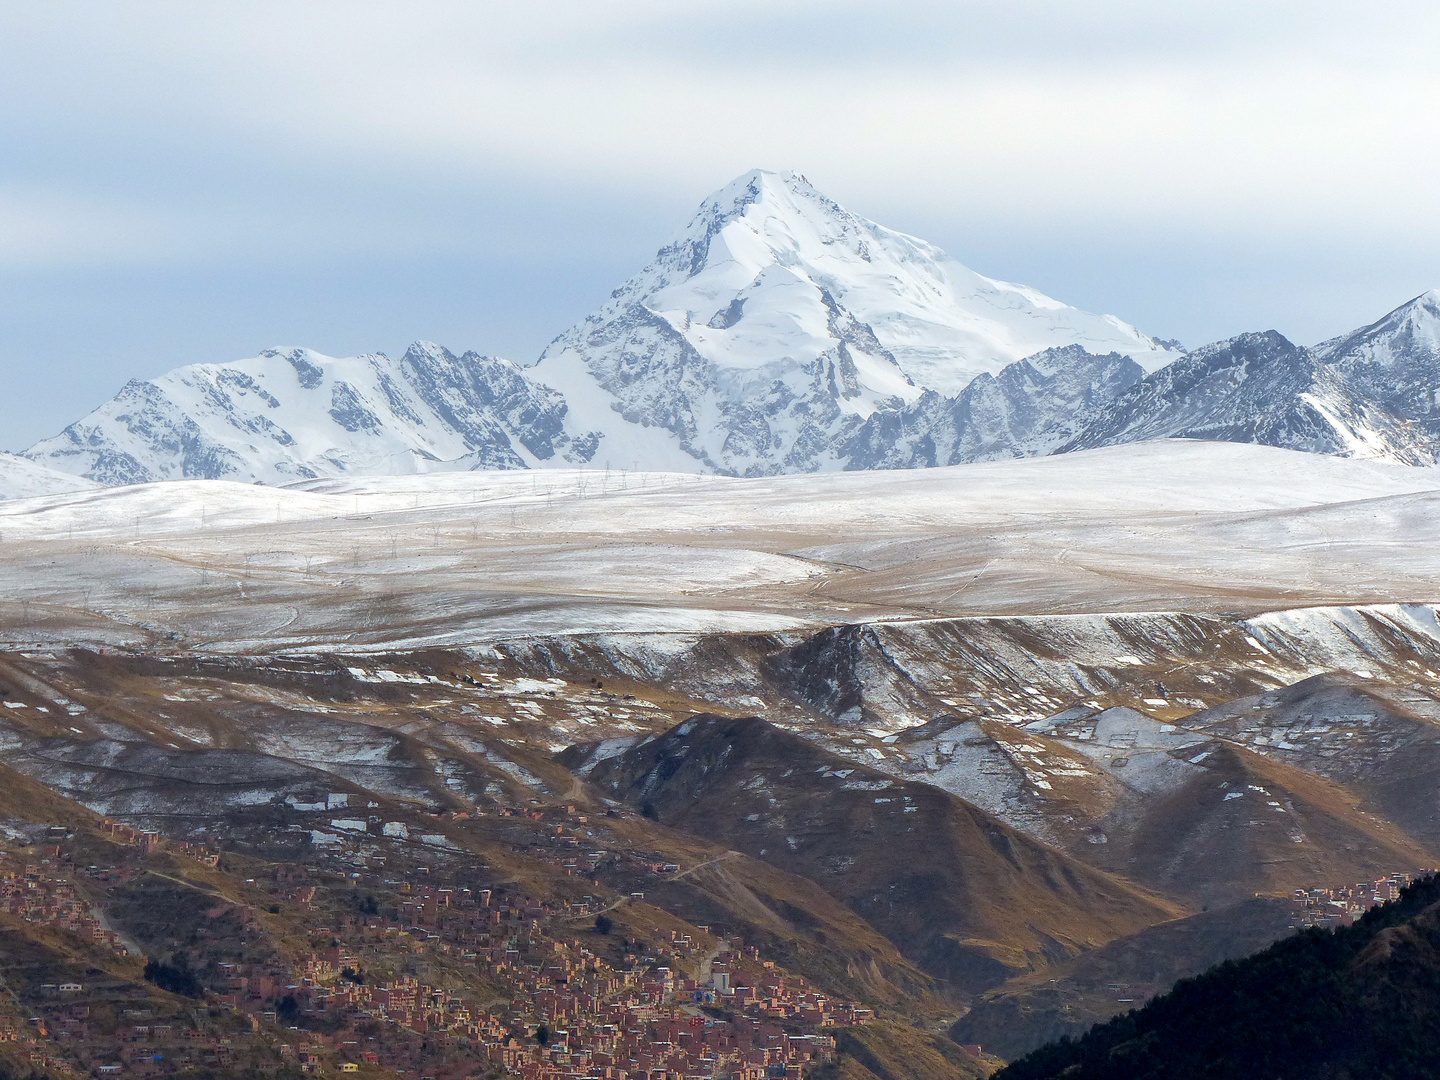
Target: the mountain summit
(1370, 393)
(777, 322)
(777, 333)
(768, 265)
(1395, 363)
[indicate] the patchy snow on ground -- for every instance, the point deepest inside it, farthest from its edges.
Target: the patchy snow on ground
(465, 559)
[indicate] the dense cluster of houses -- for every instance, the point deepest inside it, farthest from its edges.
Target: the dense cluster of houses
(1345, 903)
(552, 1009)
(37, 892)
(745, 982)
(31, 1047)
(448, 982)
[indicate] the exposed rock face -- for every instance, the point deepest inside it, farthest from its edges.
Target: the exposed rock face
(1258, 388)
(294, 414)
(777, 333)
(1029, 409)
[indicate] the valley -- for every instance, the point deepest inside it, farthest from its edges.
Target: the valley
(844, 773)
(342, 718)
(475, 607)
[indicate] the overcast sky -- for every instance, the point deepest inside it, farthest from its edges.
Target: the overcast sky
(185, 182)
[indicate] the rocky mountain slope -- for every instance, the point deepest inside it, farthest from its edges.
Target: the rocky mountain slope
(1160, 804)
(1068, 999)
(776, 333)
(293, 414)
(1379, 740)
(887, 1050)
(963, 896)
(1395, 363)
(1261, 388)
(1029, 409)
(1368, 394)
(759, 341)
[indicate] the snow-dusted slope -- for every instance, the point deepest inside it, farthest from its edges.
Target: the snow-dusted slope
(291, 414)
(1395, 363)
(404, 561)
(1408, 335)
(1029, 409)
(1257, 388)
(21, 478)
(777, 322)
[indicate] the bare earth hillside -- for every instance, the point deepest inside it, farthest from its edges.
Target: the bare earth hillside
(997, 750)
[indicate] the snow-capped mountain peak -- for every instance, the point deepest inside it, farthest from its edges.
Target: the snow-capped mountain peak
(1409, 333)
(1395, 364)
(767, 259)
(777, 322)
(777, 332)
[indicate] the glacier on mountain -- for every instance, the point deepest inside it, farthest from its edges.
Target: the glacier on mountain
(777, 333)
(766, 335)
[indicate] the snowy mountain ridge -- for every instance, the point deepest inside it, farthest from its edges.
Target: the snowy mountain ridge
(776, 333)
(292, 414)
(1369, 394)
(778, 323)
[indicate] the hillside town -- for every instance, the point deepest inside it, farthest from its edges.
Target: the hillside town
(557, 1008)
(448, 982)
(34, 892)
(1343, 904)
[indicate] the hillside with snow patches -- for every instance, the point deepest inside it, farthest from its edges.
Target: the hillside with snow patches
(777, 333)
(457, 558)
